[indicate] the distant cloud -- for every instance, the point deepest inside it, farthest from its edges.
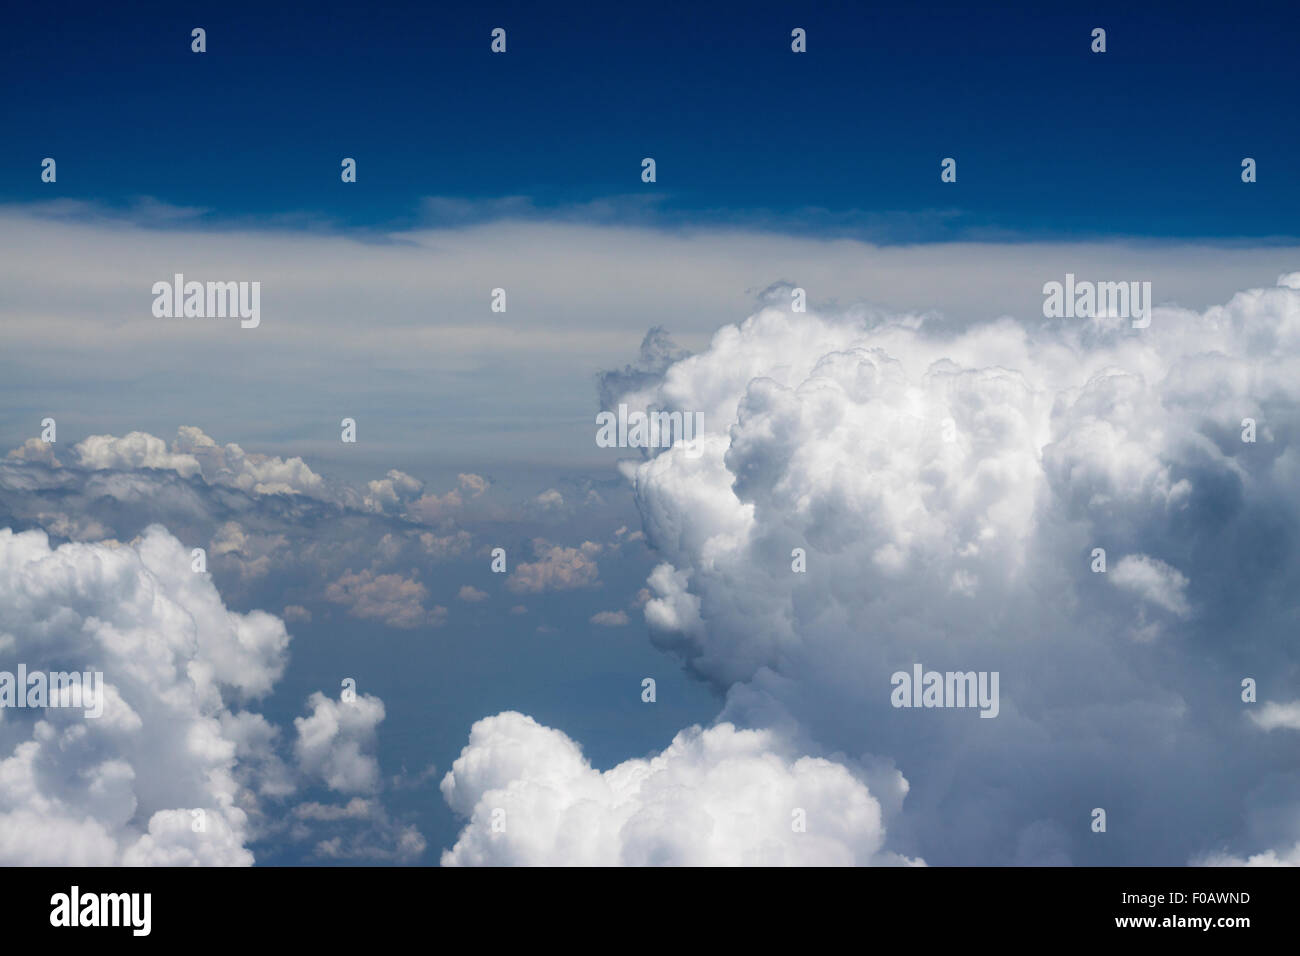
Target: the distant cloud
(388, 598)
(550, 499)
(296, 612)
(557, 568)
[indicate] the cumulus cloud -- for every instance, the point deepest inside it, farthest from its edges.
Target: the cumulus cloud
(471, 594)
(549, 500)
(715, 797)
(251, 555)
(336, 742)
(442, 547)
(557, 568)
(609, 619)
(433, 508)
(34, 449)
(392, 492)
(133, 450)
(177, 771)
(120, 789)
(947, 484)
(193, 453)
(389, 598)
(135, 461)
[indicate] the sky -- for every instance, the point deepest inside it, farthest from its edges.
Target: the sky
(1050, 139)
(918, 468)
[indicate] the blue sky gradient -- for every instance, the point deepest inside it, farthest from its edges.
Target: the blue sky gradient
(1051, 140)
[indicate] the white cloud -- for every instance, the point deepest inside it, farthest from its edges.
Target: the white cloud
(393, 492)
(336, 742)
(131, 451)
(1153, 581)
(609, 619)
(716, 797)
(1285, 857)
(120, 789)
(193, 454)
(1274, 716)
(948, 482)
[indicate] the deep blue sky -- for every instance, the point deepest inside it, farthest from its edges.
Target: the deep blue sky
(1051, 140)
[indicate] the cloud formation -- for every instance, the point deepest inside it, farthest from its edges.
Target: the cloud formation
(948, 486)
(121, 789)
(715, 797)
(388, 598)
(557, 568)
(336, 742)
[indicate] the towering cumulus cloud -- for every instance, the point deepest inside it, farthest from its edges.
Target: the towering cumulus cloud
(1104, 515)
(124, 788)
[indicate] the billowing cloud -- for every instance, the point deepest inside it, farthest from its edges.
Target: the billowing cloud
(715, 797)
(131, 451)
(336, 742)
(34, 449)
(393, 492)
(194, 453)
(122, 788)
(875, 491)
